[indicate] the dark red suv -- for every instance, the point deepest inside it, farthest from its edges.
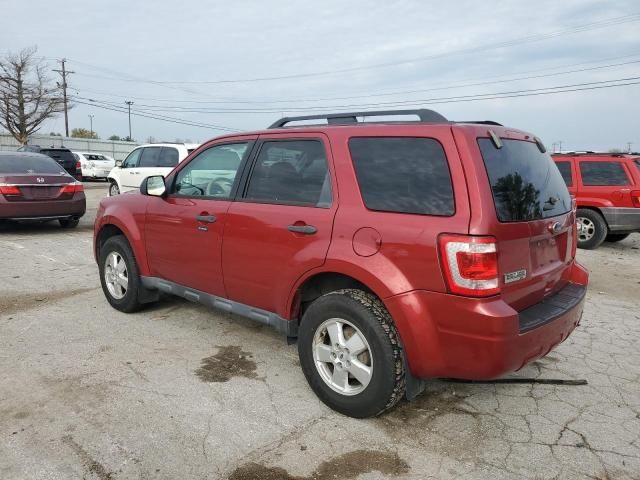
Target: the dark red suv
(607, 190)
(392, 251)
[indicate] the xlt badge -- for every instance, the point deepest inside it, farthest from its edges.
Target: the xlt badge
(515, 276)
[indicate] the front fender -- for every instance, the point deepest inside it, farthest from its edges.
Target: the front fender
(130, 221)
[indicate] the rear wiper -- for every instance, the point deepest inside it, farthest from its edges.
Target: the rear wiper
(550, 203)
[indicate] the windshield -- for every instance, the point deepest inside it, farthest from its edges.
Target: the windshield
(525, 183)
(16, 165)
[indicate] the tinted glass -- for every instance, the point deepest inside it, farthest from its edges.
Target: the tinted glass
(603, 173)
(150, 157)
(408, 175)
(28, 164)
(637, 160)
(565, 171)
(292, 172)
(212, 173)
(94, 156)
(525, 183)
(61, 156)
(168, 157)
(132, 159)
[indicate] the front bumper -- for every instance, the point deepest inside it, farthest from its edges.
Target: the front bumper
(622, 219)
(459, 337)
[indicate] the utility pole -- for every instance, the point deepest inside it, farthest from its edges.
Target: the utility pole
(91, 123)
(64, 74)
(129, 103)
(629, 147)
(559, 146)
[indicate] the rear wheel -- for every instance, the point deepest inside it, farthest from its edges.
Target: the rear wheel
(593, 229)
(350, 353)
(616, 237)
(119, 275)
(69, 222)
(114, 189)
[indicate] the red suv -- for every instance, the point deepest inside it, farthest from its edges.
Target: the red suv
(607, 190)
(392, 251)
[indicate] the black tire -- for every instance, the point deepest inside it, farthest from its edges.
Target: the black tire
(69, 222)
(130, 301)
(368, 314)
(114, 189)
(616, 237)
(599, 232)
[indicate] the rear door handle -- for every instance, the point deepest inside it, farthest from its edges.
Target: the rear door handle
(304, 229)
(206, 218)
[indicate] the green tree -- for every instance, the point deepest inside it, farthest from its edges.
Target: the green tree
(114, 138)
(83, 133)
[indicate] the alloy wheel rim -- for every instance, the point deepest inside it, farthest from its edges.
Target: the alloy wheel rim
(342, 356)
(114, 190)
(116, 276)
(587, 229)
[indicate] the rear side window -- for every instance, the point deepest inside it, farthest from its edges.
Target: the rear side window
(403, 174)
(29, 165)
(603, 173)
(525, 183)
(150, 157)
(565, 171)
(291, 172)
(168, 157)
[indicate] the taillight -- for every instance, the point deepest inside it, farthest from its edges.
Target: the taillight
(635, 198)
(470, 264)
(72, 188)
(10, 190)
(78, 165)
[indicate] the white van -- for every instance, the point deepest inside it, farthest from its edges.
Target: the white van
(144, 161)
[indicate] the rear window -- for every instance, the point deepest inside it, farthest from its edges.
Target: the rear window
(603, 174)
(565, 171)
(92, 156)
(525, 183)
(60, 155)
(403, 174)
(28, 165)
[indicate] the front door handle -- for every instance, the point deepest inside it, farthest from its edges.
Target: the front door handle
(304, 229)
(206, 218)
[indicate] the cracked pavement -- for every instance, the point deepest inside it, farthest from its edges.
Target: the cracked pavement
(88, 392)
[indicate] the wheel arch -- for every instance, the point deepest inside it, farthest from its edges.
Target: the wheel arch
(112, 226)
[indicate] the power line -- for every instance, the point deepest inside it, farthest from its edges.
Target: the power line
(505, 44)
(406, 92)
(433, 100)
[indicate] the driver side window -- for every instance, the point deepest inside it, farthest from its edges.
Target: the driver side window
(132, 159)
(212, 173)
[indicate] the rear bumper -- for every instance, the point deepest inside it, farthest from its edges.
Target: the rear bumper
(44, 210)
(622, 219)
(459, 337)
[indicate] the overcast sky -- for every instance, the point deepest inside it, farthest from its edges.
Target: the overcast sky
(341, 55)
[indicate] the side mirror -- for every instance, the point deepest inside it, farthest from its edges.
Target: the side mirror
(153, 186)
(118, 163)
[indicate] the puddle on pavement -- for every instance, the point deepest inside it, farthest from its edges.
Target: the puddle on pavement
(347, 466)
(230, 361)
(10, 304)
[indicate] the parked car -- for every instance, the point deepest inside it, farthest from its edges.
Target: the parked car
(35, 187)
(95, 165)
(62, 155)
(607, 189)
(144, 161)
(392, 252)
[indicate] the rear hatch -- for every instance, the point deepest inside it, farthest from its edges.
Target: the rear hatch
(64, 157)
(535, 228)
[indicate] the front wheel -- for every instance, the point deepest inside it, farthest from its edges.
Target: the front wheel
(593, 229)
(350, 353)
(119, 275)
(114, 189)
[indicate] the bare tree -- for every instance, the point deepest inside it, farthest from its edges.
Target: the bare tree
(27, 97)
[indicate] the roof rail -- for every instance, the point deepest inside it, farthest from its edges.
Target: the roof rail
(425, 115)
(481, 122)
